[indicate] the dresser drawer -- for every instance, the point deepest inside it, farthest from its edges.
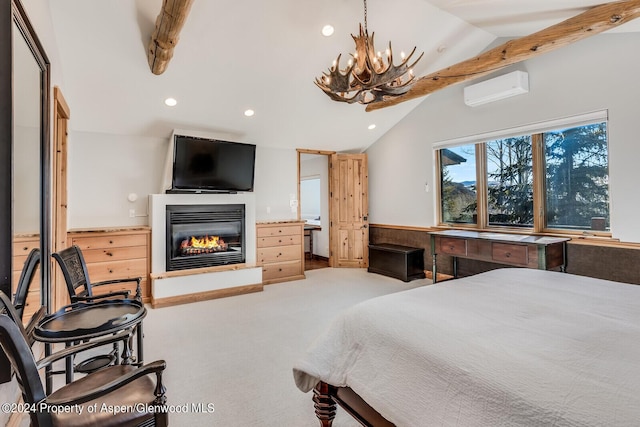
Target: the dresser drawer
(21, 249)
(457, 247)
(114, 254)
(509, 253)
(279, 253)
(100, 271)
(281, 270)
(264, 242)
(284, 230)
(112, 241)
(126, 286)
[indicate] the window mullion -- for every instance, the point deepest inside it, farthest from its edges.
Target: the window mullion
(539, 180)
(481, 185)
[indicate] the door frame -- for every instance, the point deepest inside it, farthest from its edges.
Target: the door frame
(62, 114)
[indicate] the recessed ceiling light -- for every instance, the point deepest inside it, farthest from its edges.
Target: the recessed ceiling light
(249, 113)
(327, 30)
(371, 127)
(171, 102)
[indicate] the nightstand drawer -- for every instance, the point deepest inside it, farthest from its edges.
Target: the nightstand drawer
(279, 253)
(281, 270)
(511, 254)
(451, 246)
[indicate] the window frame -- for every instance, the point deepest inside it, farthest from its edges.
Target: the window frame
(536, 131)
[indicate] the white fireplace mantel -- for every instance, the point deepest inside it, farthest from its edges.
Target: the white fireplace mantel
(169, 288)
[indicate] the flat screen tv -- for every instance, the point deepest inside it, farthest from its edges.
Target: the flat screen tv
(209, 165)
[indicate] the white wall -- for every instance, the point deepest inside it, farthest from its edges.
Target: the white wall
(104, 169)
(276, 183)
(594, 74)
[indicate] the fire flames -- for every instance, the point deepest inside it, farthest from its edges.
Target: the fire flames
(202, 245)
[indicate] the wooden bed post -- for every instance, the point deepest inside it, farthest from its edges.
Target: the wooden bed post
(324, 403)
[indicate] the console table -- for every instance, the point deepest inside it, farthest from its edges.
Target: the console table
(541, 252)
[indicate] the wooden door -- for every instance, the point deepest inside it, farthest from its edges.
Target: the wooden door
(349, 211)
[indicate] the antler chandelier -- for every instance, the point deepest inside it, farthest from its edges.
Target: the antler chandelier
(369, 76)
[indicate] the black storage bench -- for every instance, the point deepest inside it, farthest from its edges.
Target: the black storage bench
(397, 261)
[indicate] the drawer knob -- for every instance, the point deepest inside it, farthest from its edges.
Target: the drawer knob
(26, 248)
(508, 254)
(110, 271)
(279, 269)
(108, 254)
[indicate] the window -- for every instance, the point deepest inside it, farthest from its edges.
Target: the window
(556, 180)
(458, 189)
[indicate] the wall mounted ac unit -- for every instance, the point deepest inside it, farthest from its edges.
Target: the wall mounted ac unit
(500, 87)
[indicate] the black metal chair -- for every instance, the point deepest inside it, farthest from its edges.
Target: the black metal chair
(74, 269)
(22, 290)
(26, 277)
(81, 289)
(118, 386)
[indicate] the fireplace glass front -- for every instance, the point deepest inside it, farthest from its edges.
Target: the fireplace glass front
(201, 236)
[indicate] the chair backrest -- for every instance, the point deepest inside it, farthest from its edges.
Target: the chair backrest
(13, 341)
(74, 269)
(19, 354)
(26, 277)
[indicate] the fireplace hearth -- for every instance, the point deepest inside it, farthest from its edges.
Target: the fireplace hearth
(201, 236)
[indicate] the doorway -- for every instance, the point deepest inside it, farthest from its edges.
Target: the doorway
(313, 207)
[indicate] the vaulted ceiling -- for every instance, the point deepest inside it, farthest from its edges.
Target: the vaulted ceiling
(264, 55)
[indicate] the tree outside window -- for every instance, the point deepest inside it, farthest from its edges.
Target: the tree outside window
(572, 177)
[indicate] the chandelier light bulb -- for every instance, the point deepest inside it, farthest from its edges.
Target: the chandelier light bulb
(327, 30)
(402, 54)
(170, 102)
(371, 127)
(249, 113)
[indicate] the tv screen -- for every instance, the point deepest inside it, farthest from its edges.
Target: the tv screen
(201, 164)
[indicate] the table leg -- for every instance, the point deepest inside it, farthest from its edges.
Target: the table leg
(434, 269)
(48, 375)
(455, 267)
(68, 361)
(140, 350)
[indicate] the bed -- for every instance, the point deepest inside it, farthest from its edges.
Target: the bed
(509, 347)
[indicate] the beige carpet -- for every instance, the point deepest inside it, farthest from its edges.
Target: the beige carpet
(236, 353)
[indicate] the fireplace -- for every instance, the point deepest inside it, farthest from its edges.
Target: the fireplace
(204, 235)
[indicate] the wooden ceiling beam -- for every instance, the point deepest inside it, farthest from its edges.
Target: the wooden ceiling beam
(167, 33)
(593, 21)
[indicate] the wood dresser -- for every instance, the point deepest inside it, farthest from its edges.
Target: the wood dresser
(516, 250)
(22, 245)
(280, 251)
(117, 253)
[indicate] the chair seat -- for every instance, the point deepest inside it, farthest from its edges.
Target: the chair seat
(127, 400)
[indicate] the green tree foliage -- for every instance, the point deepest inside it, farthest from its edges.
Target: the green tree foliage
(510, 173)
(577, 176)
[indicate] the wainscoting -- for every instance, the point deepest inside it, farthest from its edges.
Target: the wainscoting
(606, 260)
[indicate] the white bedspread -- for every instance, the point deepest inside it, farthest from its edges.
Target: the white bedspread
(511, 347)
